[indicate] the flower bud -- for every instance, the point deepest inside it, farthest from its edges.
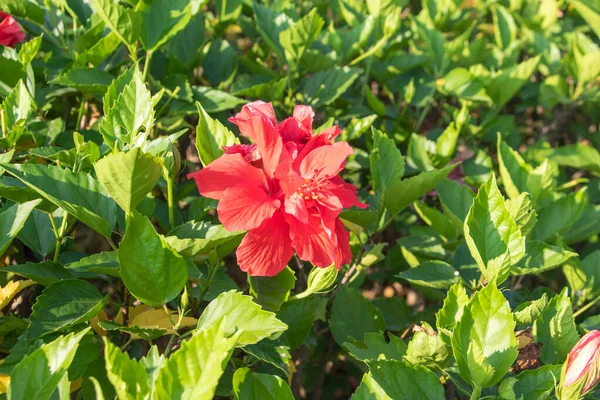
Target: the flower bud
(320, 280)
(171, 161)
(581, 370)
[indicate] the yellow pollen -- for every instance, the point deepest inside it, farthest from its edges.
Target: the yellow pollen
(306, 198)
(314, 196)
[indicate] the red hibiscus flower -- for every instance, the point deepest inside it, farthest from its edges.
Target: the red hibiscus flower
(284, 190)
(10, 31)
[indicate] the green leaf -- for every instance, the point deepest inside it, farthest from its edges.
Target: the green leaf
(102, 263)
(443, 224)
(386, 161)
(152, 271)
(465, 85)
(37, 233)
(124, 22)
(484, 341)
(589, 15)
(132, 110)
(521, 209)
(393, 376)
(17, 106)
(555, 328)
(248, 385)
(128, 376)
(44, 273)
(456, 200)
(128, 177)
(491, 233)
(434, 274)
(193, 371)
(272, 352)
(541, 257)
(24, 9)
(301, 35)
(228, 9)
(514, 171)
(148, 334)
(395, 311)
(300, 316)
(510, 80)
(325, 87)
(80, 195)
(92, 80)
(194, 238)
(579, 155)
(270, 24)
(369, 390)
(374, 345)
(272, 292)
(559, 215)
(505, 29)
(453, 307)
(211, 136)
(352, 316)
(403, 193)
(535, 384)
(39, 373)
(63, 305)
(240, 313)
(12, 221)
(161, 20)
(528, 312)
(427, 347)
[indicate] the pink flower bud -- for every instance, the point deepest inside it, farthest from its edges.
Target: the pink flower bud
(583, 363)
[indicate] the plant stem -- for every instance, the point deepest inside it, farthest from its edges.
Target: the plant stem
(169, 315)
(423, 115)
(586, 307)
(169, 347)
(170, 201)
(59, 234)
(476, 393)
(211, 274)
(3, 122)
(80, 113)
(146, 65)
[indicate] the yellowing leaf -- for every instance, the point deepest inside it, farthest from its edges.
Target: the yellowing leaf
(12, 288)
(158, 319)
(4, 381)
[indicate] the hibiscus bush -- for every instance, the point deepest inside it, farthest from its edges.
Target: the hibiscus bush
(325, 199)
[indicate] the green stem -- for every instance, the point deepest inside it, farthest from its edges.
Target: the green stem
(146, 65)
(476, 393)
(170, 201)
(169, 347)
(211, 274)
(80, 113)
(423, 115)
(3, 122)
(586, 307)
(59, 234)
(169, 315)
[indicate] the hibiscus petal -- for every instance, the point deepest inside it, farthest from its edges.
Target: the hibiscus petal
(343, 254)
(304, 115)
(245, 207)
(345, 192)
(255, 108)
(325, 161)
(268, 141)
(291, 130)
(312, 242)
(227, 171)
(265, 251)
(295, 205)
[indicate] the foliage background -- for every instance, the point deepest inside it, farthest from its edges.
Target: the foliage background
(504, 90)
